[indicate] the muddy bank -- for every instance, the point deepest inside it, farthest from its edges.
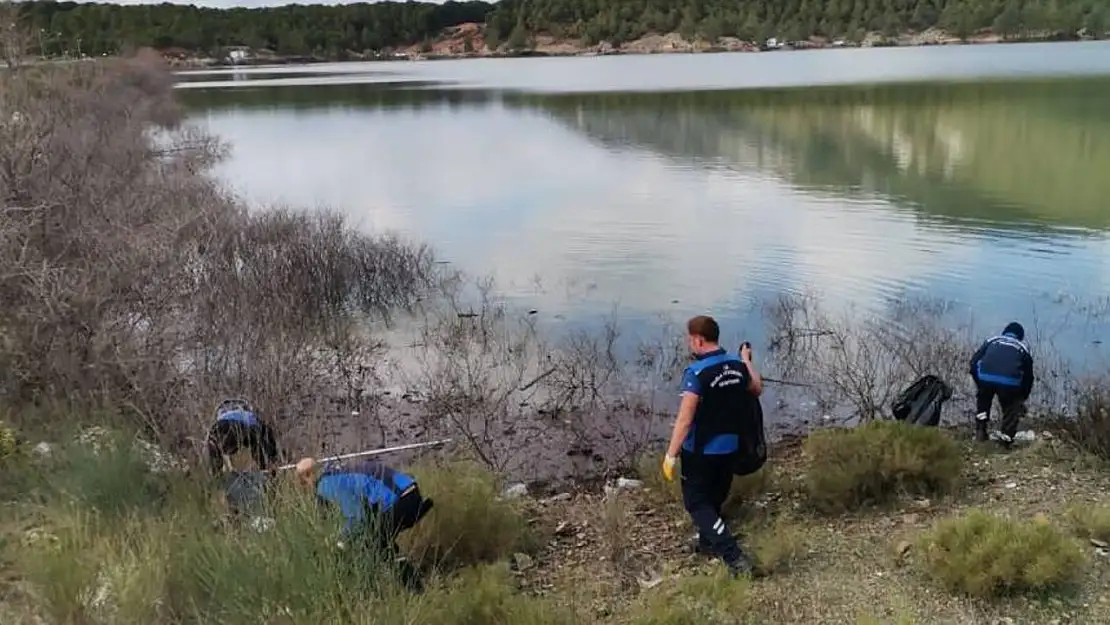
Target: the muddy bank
(535, 447)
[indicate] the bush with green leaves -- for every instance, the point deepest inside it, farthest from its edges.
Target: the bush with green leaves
(876, 462)
(985, 555)
(469, 523)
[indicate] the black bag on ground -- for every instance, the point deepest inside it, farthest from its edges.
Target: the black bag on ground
(752, 454)
(922, 401)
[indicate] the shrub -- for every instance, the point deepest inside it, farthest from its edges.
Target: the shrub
(469, 523)
(872, 463)
(133, 279)
(700, 600)
(110, 477)
(1089, 429)
(777, 546)
(984, 555)
(1090, 521)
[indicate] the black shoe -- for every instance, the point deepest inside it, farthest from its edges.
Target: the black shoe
(1006, 443)
(981, 430)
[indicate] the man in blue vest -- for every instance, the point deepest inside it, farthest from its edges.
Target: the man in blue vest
(715, 392)
(1003, 368)
(378, 503)
(238, 427)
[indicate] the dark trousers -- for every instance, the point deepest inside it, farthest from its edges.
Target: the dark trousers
(706, 480)
(379, 534)
(1012, 401)
(225, 438)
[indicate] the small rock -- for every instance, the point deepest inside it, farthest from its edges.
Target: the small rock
(558, 498)
(1011, 485)
(563, 529)
(523, 561)
(262, 524)
(1046, 435)
(43, 450)
(910, 519)
(648, 584)
(923, 504)
(516, 491)
(1101, 544)
(623, 482)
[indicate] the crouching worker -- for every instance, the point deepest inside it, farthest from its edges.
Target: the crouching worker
(378, 502)
(238, 428)
(716, 392)
(1003, 368)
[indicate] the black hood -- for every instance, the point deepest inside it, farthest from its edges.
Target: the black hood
(1015, 330)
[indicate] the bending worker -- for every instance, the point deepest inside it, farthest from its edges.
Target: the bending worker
(706, 432)
(378, 502)
(238, 427)
(1002, 367)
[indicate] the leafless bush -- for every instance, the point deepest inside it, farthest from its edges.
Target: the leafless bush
(520, 396)
(131, 279)
(1089, 427)
(863, 361)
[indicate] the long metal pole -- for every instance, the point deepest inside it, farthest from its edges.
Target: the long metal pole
(374, 452)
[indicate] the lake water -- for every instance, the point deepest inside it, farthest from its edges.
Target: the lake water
(679, 184)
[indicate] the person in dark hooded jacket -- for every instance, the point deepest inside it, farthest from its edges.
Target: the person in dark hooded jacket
(1003, 368)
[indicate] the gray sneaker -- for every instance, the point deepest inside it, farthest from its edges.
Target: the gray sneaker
(740, 567)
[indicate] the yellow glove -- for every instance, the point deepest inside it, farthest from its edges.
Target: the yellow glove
(668, 467)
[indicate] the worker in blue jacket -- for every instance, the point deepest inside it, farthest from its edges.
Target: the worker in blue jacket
(238, 427)
(378, 502)
(1003, 368)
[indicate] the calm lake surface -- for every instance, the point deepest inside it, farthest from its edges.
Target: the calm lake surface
(675, 184)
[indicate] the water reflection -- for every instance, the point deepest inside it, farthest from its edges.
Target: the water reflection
(1014, 155)
(670, 202)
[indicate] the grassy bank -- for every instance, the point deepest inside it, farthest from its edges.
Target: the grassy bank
(95, 537)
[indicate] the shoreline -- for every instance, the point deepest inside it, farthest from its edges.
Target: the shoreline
(450, 48)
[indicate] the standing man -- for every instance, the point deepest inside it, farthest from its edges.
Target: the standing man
(1002, 367)
(378, 502)
(706, 433)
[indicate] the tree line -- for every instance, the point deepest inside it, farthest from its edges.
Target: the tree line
(336, 31)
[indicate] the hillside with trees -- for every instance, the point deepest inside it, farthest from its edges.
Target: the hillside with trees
(337, 32)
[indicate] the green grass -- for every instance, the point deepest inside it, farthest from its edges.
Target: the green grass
(985, 555)
(877, 462)
(699, 600)
(123, 545)
(1090, 521)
